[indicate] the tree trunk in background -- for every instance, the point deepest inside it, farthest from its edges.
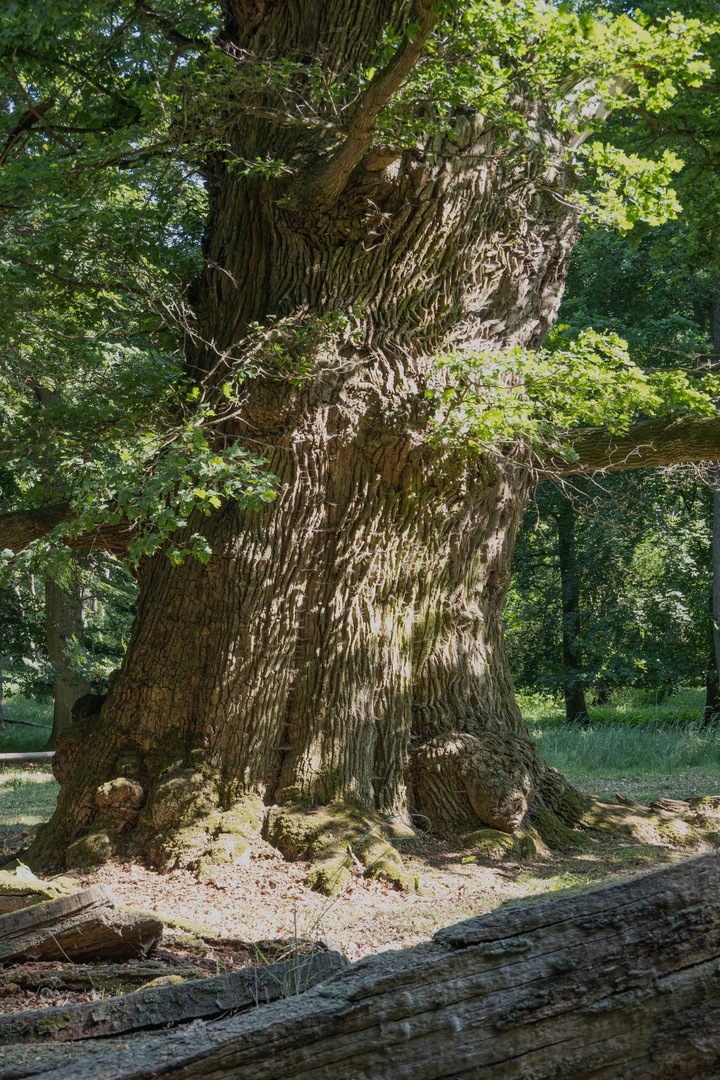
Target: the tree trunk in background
(573, 682)
(63, 614)
(345, 643)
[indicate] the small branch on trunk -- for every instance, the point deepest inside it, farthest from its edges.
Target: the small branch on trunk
(325, 181)
(667, 440)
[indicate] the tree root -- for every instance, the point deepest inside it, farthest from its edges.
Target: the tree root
(342, 840)
(580, 826)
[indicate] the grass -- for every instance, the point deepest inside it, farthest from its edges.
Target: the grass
(27, 797)
(16, 738)
(638, 749)
(27, 792)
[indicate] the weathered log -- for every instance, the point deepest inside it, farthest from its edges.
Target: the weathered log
(20, 888)
(671, 806)
(619, 983)
(158, 1006)
(108, 978)
(85, 926)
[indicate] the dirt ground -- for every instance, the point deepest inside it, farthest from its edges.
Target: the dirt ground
(265, 901)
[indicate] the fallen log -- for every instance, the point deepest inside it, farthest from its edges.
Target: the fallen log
(20, 888)
(87, 925)
(619, 983)
(35, 755)
(109, 979)
(158, 1006)
(5, 719)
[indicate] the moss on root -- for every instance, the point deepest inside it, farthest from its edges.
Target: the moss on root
(526, 843)
(206, 837)
(91, 850)
(547, 831)
(341, 840)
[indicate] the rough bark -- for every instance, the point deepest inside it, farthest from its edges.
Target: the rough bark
(615, 984)
(573, 686)
(21, 527)
(667, 440)
(115, 978)
(159, 1006)
(86, 925)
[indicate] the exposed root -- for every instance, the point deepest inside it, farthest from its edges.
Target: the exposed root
(342, 841)
(581, 823)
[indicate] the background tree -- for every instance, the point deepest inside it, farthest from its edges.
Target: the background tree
(641, 542)
(389, 203)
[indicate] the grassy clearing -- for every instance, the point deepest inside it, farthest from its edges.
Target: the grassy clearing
(638, 749)
(27, 797)
(16, 738)
(27, 792)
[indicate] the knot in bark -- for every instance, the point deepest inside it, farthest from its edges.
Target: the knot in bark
(121, 799)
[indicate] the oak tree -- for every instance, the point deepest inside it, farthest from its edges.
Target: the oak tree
(316, 432)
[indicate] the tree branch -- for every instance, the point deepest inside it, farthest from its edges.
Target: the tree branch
(645, 445)
(326, 180)
(23, 126)
(21, 527)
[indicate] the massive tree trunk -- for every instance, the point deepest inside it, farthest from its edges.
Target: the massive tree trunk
(346, 642)
(343, 647)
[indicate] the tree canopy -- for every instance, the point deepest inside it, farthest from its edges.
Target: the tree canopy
(115, 120)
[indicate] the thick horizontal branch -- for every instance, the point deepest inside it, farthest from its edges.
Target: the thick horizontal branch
(646, 445)
(21, 527)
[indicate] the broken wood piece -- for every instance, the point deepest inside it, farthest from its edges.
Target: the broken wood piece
(671, 806)
(86, 925)
(158, 1006)
(611, 984)
(20, 888)
(109, 979)
(624, 801)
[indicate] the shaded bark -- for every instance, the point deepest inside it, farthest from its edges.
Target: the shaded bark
(619, 983)
(160, 1006)
(667, 440)
(21, 527)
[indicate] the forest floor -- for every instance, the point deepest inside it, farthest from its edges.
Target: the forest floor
(265, 901)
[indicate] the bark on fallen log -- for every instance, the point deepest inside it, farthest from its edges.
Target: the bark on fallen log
(20, 888)
(110, 979)
(85, 926)
(620, 983)
(158, 1006)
